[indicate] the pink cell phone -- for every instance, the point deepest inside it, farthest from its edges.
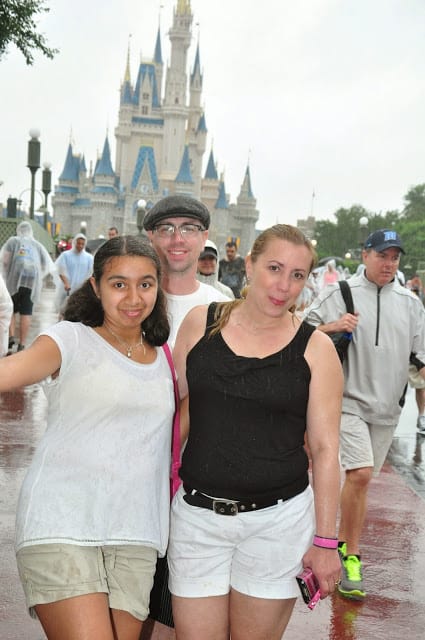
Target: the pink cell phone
(309, 587)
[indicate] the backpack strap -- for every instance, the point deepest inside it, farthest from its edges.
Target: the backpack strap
(346, 294)
(175, 444)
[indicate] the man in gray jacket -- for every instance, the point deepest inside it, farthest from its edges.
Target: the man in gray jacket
(387, 326)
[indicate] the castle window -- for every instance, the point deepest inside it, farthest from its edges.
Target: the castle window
(145, 111)
(145, 96)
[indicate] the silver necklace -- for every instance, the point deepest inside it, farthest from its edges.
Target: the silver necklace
(128, 347)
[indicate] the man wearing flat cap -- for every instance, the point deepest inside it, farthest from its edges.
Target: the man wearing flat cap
(388, 325)
(177, 227)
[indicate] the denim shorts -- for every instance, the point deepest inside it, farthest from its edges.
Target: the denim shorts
(52, 572)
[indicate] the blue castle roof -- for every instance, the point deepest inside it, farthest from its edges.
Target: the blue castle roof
(202, 124)
(104, 165)
(145, 155)
(71, 168)
(221, 200)
(196, 66)
(184, 174)
(211, 171)
(146, 69)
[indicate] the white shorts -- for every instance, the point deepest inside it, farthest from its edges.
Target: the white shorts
(363, 444)
(258, 553)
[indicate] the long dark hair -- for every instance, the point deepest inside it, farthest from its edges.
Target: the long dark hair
(84, 306)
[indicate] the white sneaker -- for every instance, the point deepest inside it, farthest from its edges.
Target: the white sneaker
(421, 425)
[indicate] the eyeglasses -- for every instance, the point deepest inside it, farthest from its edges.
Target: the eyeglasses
(186, 230)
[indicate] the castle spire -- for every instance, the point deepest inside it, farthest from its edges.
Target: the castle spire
(183, 7)
(158, 51)
(127, 77)
(211, 171)
(104, 165)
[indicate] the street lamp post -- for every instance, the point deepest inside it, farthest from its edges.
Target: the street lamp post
(33, 163)
(46, 188)
(83, 227)
(141, 212)
(363, 222)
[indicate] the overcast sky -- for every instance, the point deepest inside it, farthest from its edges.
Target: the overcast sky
(323, 96)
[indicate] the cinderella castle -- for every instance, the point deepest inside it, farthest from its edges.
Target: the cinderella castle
(161, 140)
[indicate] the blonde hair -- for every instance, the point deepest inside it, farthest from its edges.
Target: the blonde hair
(276, 232)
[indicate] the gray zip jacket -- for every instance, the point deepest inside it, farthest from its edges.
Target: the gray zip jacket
(391, 326)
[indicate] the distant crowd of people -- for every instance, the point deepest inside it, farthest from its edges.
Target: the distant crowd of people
(268, 418)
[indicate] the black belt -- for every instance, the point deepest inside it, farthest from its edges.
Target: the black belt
(224, 507)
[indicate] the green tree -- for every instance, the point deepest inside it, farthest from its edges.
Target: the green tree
(415, 203)
(18, 27)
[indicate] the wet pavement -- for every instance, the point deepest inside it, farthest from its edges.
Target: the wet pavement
(393, 542)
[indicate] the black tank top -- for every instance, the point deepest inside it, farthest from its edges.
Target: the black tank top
(247, 419)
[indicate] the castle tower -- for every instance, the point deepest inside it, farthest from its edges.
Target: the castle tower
(196, 127)
(175, 110)
(160, 141)
(247, 214)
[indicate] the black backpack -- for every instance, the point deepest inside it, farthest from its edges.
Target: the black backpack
(342, 339)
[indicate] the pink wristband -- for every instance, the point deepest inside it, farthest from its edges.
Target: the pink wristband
(325, 543)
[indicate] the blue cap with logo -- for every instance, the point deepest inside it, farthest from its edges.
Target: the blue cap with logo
(383, 239)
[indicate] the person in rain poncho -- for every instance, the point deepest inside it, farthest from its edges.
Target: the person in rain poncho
(74, 267)
(25, 263)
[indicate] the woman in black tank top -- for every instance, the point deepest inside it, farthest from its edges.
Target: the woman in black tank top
(257, 381)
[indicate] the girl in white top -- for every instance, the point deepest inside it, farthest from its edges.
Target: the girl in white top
(93, 510)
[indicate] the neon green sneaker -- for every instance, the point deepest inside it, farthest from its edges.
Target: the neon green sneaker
(351, 584)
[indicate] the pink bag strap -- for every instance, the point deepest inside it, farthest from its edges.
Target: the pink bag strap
(175, 444)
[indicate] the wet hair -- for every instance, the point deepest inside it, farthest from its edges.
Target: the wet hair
(84, 306)
(276, 232)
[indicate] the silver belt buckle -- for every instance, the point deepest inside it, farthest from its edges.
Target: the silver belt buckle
(225, 508)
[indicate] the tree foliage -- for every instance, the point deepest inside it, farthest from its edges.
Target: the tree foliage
(18, 27)
(347, 236)
(415, 203)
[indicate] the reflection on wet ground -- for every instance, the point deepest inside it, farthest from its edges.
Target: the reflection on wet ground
(393, 541)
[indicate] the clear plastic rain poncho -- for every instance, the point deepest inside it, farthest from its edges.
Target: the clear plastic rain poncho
(25, 262)
(76, 266)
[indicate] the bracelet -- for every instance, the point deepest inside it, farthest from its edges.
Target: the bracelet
(325, 543)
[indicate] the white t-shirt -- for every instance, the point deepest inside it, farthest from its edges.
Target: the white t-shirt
(180, 305)
(100, 474)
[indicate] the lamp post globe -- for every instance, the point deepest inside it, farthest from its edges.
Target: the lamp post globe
(363, 223)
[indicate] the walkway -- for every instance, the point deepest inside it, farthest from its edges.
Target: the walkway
(394, 540)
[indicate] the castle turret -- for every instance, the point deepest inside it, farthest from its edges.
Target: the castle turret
(159, 65)
(220, 218)
(210, 184)
(123, 130)
(196, 128)
(175, 110)
(247, 214)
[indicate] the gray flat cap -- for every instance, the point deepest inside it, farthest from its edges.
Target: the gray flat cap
(177, 207)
